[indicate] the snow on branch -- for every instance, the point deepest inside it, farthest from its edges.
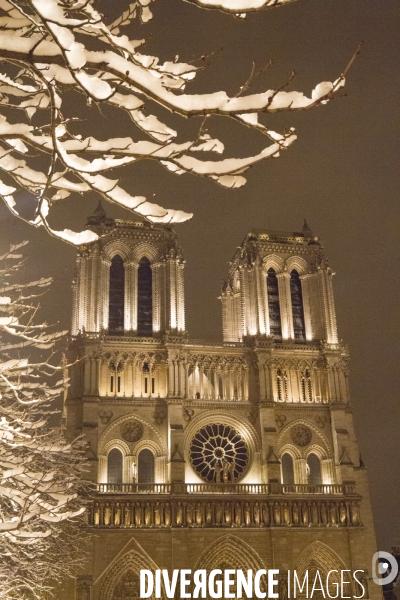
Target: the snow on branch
(63, 50)
(41, 473)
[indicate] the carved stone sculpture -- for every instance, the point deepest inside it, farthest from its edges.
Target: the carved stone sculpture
(117, 514)
(167, 514)
(127, 514)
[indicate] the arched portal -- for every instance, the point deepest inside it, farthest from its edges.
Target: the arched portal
(230, 552)
(122, 581)
(320, 557)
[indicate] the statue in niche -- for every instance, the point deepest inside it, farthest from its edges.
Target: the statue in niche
(324, 514)
(283, 588)
(295, 512)
(277, 514)
(199, 514)
(217, 470)
(342, 514)
(238, 515)
(355, 513)
(209, 513)
(96, 513)
(179, 515)
(228, 513)
(84, 592)
(232, 471)
(107, 514)
(225, 470)
(333, 514)
(167, 514)
(304, 513)
(218, 513)
(157, 514)
(265, 513)
(256, 514)
(286, 514)
(247, 515)
(147, 514)
(127, 514)
(117, 514)
(189, 514)
(138, 515)
(314, 514)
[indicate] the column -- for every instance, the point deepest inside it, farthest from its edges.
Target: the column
(325, 278)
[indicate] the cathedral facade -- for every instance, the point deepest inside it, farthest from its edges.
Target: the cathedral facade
(239, 454)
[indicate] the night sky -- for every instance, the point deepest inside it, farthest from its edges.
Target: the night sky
(340, 175)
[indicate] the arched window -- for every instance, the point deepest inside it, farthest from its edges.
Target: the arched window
(314, 469)
(145, 298)
(287, 469)
(145, 466)
(114, 466)
(116, 299)
(274, 309)
(297, 307)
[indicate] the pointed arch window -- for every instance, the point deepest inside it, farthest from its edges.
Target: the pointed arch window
(114, 466)
(146, 466)
(297, 307)
(314, 469)
(116, 295)
(274, 309)
(287, 469)
(145, 298)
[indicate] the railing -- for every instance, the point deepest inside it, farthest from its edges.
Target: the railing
(225, 488)
(134, 488)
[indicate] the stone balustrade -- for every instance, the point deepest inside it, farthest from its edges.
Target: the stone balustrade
(225, 488)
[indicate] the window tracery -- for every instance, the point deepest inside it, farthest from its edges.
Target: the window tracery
(219, 454)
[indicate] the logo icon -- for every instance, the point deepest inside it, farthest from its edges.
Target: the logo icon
(383, 562)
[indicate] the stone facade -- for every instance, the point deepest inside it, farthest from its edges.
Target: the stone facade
(241, 453)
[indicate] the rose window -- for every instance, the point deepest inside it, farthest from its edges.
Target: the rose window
(219, 454)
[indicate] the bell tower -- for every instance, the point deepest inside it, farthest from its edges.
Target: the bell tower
(130, 281)
(279, 285)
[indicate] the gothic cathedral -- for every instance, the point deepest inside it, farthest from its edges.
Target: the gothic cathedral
(239, 454)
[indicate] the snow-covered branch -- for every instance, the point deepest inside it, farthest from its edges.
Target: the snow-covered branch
(40, 472)
(53, 50)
